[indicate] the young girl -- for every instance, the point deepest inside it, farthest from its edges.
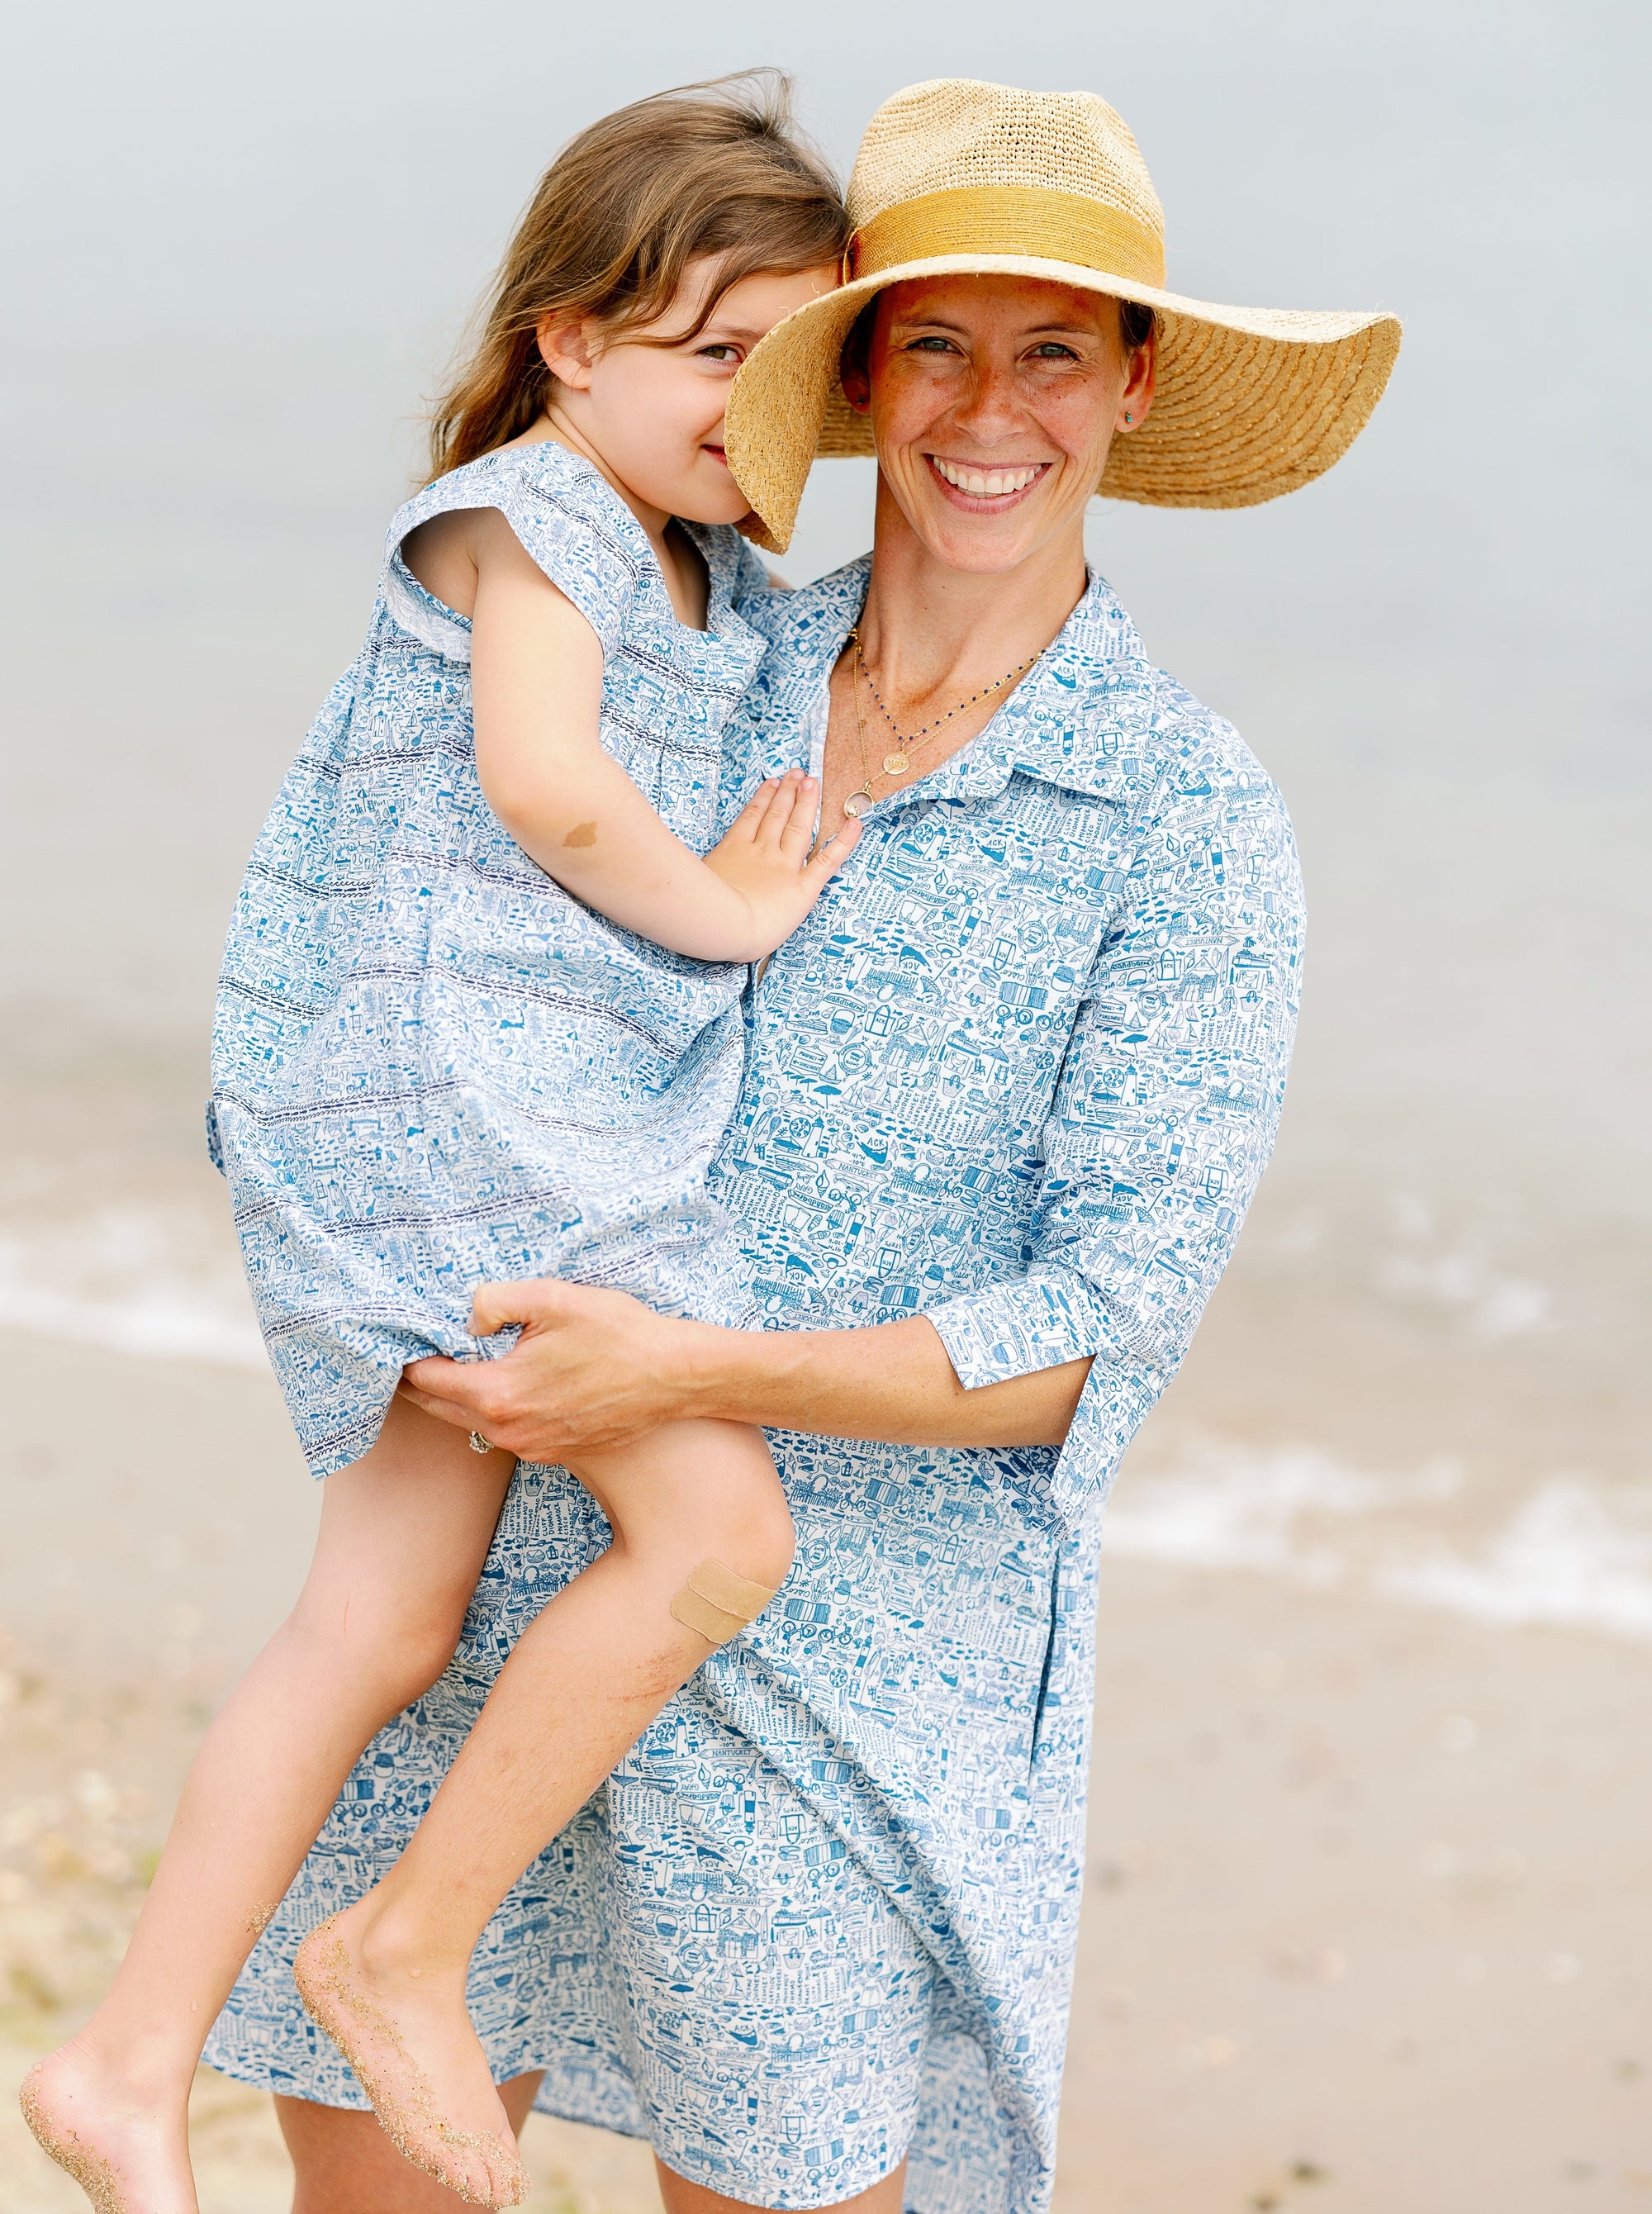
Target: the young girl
(479, 1020)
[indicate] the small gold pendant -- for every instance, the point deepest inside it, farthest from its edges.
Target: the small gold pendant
(896, 764)
(857, 803)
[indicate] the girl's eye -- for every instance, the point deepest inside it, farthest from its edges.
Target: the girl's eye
(719, 353)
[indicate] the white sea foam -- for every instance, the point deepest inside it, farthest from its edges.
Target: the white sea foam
(1565, 1558)
(1232, 1508)
(113, 1283)
(1453, 1279)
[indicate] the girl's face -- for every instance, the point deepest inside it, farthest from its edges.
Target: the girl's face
(652, 414)
(993, 401)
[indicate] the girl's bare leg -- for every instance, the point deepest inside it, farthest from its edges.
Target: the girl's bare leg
(387, 1977)
(403, 1536)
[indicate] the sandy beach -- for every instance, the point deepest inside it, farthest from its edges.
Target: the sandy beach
(1368, 1921)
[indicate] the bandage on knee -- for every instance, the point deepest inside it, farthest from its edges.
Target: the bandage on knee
(719, 1604)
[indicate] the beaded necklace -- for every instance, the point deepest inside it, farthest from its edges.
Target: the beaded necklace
(899, 760)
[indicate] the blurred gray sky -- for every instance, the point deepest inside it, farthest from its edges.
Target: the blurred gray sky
(241, 243)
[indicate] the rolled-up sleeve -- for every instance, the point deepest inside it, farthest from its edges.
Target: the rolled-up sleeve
(1164, 1115)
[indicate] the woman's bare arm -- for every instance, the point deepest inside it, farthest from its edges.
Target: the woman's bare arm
(594, 1368)
(537, 689)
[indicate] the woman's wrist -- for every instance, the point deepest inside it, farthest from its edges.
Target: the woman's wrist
(726, 1375)
(890, 1381)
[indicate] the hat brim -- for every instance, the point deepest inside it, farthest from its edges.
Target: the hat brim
(1249, 403)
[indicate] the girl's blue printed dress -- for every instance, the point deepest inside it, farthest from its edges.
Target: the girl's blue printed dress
(431, 1067)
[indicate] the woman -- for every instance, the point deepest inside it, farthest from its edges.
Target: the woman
(1009, 1092)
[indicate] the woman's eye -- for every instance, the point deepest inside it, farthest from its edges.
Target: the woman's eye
(930, 345)
(1051, 350)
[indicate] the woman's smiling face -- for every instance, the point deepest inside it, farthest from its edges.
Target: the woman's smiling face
(993, 401)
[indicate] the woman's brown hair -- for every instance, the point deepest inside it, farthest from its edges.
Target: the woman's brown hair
(716, 168)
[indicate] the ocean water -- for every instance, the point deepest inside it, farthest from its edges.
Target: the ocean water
(245, 246)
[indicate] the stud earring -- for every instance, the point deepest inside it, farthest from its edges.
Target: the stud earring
(1128, 417)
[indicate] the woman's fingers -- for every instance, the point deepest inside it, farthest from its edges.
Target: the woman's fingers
(592, 1367)
(472, 1393)
(465, 1394)
(441, 1408)
(537, 1303)
(444, 1409)
(457, 1400)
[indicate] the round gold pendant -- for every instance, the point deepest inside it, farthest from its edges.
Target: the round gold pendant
(896, 764)
(856, 804)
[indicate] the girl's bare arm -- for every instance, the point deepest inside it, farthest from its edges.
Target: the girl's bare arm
(536, 688)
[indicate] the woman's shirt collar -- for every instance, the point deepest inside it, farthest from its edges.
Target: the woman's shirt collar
(1049, 728)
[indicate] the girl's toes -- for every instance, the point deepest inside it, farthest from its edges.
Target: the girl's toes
(463, 2174)
(478, 2174)
(507, 2183)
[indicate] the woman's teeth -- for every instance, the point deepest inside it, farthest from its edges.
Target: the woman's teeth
(985, 484)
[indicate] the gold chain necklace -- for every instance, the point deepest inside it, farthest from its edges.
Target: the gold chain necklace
(897, 763)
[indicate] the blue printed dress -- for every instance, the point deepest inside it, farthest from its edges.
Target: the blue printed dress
(432, 1067)
(1019, 1070)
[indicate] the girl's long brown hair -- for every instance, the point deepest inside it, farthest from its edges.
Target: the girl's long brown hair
(715, 168)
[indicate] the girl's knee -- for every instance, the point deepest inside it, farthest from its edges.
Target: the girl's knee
(749, 1526)
(716, 1497)
(769, 1544)
(752, 1533)
(416, 1656)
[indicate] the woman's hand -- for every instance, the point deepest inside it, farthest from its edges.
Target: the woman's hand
(591, 1368)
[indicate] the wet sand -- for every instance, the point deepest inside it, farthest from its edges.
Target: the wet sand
(1369, 1923)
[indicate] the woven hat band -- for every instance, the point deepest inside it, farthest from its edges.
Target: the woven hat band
(1023, 220)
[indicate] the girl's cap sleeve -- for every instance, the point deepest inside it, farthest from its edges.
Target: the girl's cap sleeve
(576, 530)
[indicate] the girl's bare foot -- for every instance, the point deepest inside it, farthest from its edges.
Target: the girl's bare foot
(127, 2148)
(402, 2025)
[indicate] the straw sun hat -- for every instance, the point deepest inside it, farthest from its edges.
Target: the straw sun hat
(960, 176)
